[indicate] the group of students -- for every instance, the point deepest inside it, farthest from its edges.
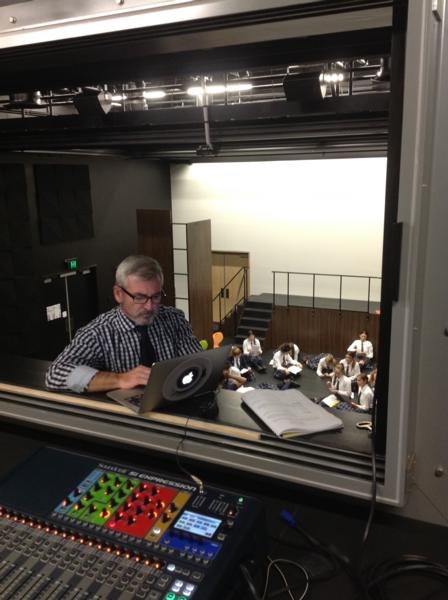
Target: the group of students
(350, 386)
(348, 382)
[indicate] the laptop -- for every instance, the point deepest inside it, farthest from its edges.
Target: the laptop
(180, 378)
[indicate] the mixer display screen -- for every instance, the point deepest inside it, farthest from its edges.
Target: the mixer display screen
(198, 524)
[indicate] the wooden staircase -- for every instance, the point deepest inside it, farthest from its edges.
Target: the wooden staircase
(256, 315)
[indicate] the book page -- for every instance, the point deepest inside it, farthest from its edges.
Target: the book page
(331, 400)
(290, 412)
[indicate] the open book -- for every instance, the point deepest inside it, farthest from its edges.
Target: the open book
(290, 413)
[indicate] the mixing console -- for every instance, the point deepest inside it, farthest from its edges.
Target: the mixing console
(73, 527)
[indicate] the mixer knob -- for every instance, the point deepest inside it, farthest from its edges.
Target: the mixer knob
(146, 500)
(131, 520)
(165, 517)
(138, 510)
(155, 490)
(172, 507)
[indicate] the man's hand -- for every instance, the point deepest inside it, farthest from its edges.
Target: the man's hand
(134, 377)
(104, 382)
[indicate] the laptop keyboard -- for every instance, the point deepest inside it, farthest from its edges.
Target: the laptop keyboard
(136, 400)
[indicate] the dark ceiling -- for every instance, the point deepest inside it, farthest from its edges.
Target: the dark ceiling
(354, 121)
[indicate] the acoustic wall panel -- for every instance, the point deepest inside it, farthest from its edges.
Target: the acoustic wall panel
(19, 299)
(64, 204)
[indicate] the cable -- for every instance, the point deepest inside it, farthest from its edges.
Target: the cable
(403, 565)
(374, 491)
(194, 478)
(274, 563)
(339, 559)
(250, 584)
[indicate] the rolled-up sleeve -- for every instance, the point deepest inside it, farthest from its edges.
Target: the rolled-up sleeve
(76, 365)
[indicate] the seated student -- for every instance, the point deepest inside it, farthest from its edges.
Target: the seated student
(351, 367)
(295, 350)
(326, 365)
(240, 363)
(362, 401)
(340, 385)
(363, 349)
(231, 380)
(252, 351)
(282, 360)
(372, 378)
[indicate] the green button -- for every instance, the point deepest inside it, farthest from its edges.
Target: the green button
(181, 598)
(240, 500)
(170, 596)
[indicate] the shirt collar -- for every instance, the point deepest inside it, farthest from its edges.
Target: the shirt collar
(124, 323)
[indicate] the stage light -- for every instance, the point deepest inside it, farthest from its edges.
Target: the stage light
(154, 94)
(238, 87)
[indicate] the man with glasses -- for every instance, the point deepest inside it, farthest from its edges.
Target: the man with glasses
(116, 350)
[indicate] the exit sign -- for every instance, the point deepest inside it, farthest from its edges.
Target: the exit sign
(71, 263)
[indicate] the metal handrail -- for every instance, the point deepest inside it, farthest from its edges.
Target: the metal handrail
(240, 299)
(369, 279)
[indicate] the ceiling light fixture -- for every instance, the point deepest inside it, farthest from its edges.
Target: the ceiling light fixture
(219, 89)
(238, 87)
(331, 77)
(154, 94)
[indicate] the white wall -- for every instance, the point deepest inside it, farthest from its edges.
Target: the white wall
(323, 216)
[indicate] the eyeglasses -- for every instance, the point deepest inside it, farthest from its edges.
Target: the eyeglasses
(143, 298)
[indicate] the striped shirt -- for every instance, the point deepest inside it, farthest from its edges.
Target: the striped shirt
(111, 343)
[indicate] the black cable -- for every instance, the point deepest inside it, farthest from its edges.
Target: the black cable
(405, 564)
(374, 490)
(250, 583)
(194, 478)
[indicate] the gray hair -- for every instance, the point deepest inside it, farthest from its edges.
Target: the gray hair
(144, 267)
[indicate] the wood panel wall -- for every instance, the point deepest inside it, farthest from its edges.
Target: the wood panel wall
(321, 330)
(155, 238)
(199, 261)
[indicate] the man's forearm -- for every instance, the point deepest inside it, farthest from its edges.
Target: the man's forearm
(103, 381)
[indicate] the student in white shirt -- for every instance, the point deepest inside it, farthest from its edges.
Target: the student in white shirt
(252, 351)
(351, 367)
(326, 365)
(372, 378)
(363, 400)
(363, 349)
(282, 360)
(340, 385)
(295, 350)
(231, 380)
(239, 364)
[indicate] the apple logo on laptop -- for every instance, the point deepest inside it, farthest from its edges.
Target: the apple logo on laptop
(188, 378)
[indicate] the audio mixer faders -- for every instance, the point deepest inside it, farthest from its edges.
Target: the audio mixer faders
(73, 527)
